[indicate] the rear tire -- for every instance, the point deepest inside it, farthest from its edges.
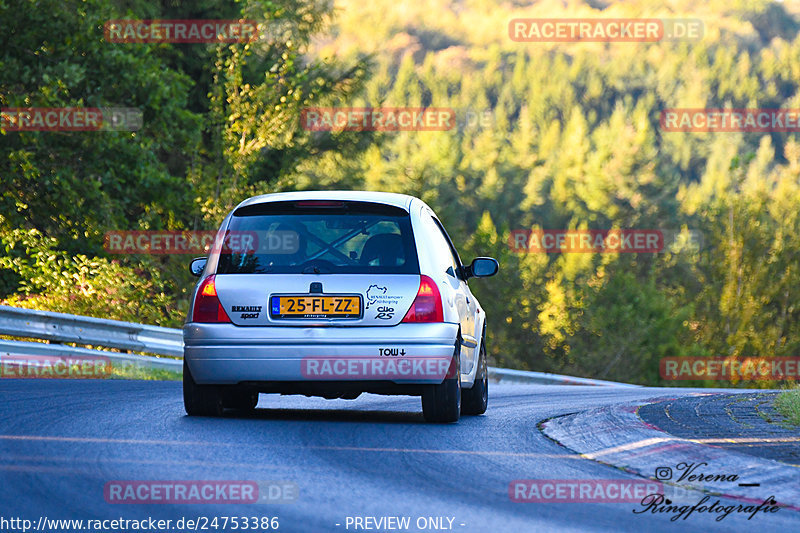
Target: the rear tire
(200, 400)
(474, 401)
(442, 403)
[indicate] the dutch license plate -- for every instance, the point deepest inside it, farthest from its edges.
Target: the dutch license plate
(305, 306)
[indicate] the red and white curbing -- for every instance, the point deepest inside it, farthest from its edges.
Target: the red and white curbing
(616, 436)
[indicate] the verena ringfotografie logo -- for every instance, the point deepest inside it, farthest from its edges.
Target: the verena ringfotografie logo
(603, 30)
(180, 31)
(730, 368)
(730, 120)
(202, 242)
(686, 472)
(377, 118)
(556, 241)
(52, 366)
(70, 119)
(582, 490)
(203, 492)
(661, 505)
(368, 368)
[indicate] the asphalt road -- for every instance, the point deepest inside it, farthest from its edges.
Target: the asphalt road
(63, 441)
(734, 417)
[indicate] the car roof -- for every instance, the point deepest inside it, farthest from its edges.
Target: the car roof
(389, 198)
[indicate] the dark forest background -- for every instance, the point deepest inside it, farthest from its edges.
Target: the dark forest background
(566, 136)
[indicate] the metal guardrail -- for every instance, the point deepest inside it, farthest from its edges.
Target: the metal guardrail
(505, 375)
(61, 327)
(13, 349)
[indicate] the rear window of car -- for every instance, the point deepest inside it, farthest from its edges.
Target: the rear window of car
(319, 237)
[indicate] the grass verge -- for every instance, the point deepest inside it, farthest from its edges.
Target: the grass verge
(134, 371)
(788, 405)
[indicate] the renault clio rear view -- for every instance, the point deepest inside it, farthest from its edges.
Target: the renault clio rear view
(334, 294)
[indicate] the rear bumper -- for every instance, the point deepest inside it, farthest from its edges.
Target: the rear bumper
(403, 354)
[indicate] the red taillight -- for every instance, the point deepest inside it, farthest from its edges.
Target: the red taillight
(207, 307)
(318, 203)
(427, 306)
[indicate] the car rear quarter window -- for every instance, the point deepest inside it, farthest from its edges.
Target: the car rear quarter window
(320, 237)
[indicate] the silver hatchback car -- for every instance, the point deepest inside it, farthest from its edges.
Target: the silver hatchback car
(333, 294)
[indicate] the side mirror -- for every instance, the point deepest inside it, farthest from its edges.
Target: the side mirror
(197, 266)
(482, 267)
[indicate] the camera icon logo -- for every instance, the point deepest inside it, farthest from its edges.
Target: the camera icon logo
(663, 473)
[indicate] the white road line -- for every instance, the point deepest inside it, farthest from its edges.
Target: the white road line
(331, 448)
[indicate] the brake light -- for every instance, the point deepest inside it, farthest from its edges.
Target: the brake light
(427, 306)
(318, 203)
(207, 307)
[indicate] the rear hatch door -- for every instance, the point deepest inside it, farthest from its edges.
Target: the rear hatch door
(318, 263)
